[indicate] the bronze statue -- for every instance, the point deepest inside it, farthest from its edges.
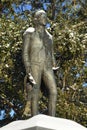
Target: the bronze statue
(39, 60)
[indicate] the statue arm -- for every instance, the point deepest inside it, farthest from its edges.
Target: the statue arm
(26, 46)
(53, 58)
(55, 67)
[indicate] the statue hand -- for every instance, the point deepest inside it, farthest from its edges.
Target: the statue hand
(55, 68)
(31, 78)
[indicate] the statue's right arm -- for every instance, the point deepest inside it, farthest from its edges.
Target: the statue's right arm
(26, 47)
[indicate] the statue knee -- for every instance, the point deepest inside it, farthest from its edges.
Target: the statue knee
(53, 93)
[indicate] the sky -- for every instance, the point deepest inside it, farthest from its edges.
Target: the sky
(19, 10)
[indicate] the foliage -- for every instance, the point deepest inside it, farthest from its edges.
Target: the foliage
(69, 28)
(71, 106)
(11, 68)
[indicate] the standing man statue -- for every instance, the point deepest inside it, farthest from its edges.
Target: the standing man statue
(39, 61)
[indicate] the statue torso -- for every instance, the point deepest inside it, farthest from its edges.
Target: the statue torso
(40, 49)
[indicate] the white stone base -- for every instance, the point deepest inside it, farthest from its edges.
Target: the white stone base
(43, 122)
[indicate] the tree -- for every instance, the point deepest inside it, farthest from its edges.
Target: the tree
(68, 26)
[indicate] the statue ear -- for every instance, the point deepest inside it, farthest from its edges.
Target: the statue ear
(35, 20)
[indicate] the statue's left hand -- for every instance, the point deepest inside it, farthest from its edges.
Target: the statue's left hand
(55, 68)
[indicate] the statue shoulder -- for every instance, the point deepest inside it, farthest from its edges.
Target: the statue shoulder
(50, 36)
(30, 30)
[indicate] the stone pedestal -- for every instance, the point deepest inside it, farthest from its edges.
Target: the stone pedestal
(43, 122)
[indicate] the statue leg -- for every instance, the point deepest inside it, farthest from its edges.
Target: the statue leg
(34, 102)
(49, 81)
(36, 73)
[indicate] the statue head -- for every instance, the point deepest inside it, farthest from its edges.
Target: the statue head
(40, 18)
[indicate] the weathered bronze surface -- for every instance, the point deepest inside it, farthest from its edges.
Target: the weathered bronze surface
(38, 60)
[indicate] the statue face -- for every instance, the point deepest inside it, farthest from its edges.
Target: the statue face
(41, 17)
